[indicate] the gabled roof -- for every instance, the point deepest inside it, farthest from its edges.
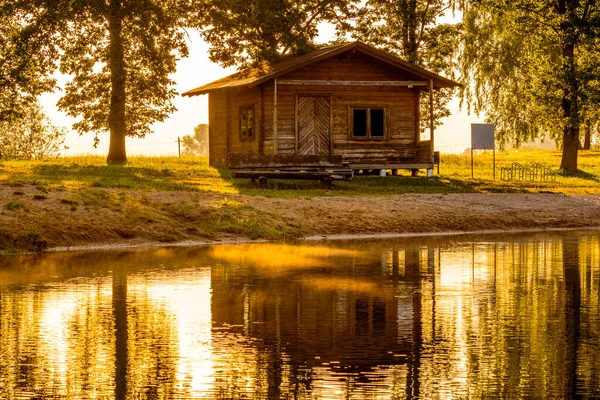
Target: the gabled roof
(267, 71)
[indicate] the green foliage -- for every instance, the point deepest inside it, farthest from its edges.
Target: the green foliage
(245, 33)
(197, 144)
(89, 181)
(14, 244)
(532, 67)
(25, 62)
(118, 53)
(14, 205)
(152, 40)
(411, 30)
(31, 136)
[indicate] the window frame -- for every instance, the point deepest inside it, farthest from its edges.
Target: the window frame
(242, 109)
(368, 135)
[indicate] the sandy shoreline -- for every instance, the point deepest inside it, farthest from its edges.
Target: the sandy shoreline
(178, 218)
(372, 236)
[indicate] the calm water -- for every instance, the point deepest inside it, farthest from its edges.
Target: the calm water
(511, 316)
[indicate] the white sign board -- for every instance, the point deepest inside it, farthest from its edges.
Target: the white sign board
(482, 136)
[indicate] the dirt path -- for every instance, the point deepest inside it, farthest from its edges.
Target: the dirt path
(110, 217)
(435, 213)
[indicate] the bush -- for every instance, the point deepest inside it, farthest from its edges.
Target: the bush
(196, 145)
(30, 137)
(14, 205)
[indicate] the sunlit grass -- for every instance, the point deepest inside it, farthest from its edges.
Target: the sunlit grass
(454, 177)
(143, 173)
(80, 173)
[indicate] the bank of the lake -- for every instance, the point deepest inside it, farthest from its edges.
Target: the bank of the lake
(79, 201)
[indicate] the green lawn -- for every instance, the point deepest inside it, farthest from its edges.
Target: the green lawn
(193, 174)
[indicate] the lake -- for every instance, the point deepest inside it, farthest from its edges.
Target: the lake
(451, 317)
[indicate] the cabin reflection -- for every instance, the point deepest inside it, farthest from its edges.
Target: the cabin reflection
(428, 319)
(351, 318)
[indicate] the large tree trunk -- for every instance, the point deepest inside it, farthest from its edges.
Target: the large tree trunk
(570, 104)
(116, 118)
(409, 36)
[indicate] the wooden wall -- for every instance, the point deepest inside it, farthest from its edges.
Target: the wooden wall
(217, 129)
(352, 66)
(401, 103)
(224, 124)
(400, 146)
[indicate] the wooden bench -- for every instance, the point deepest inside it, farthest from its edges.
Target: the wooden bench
(278, 166)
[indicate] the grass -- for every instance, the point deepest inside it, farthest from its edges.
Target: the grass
(83, 174)
(163, 198)
(14, 205)
(29, 242)
(140, 173)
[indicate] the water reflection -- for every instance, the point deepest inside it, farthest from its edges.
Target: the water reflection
(437, 318)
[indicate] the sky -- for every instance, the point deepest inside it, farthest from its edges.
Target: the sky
(452, 137)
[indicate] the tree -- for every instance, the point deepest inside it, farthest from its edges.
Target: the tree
(25, 65)
(30, 136)
(411, 30)
(531, 66)
(197, 144)
(119, 54)
(245, 33)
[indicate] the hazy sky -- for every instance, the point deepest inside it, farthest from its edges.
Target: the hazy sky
(196, 70)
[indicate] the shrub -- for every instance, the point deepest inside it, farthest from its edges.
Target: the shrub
(30, 137)
(196, 145)
(14, 205)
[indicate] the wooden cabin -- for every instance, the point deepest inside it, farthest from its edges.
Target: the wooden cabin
(350, 100)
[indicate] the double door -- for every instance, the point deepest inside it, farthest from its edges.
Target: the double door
(313, 118)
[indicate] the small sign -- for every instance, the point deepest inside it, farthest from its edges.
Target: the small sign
(482, 136)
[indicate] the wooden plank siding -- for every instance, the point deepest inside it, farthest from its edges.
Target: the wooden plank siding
(243, 98)
(267, 102)
(401, 143)
(401, 103)
(217, 129)
(352, 67)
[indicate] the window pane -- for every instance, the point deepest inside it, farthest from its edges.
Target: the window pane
(250, 122)
(247, 123)
(377, 123)
(244, 123)
(359, 120)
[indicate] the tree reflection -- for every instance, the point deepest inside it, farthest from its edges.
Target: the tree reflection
(570, 256)
(437, 318)
(119, 306)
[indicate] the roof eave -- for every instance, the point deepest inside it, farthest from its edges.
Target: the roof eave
(293, 67)
(439, 81)
(442, 82)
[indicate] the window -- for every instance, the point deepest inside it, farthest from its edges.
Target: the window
(247, 123)
(367, 123)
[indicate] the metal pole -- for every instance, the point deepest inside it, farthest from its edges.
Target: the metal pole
(179, 146)
(494, 162)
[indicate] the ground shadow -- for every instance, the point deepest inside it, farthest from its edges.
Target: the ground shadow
(360, 185)
(114, 176)
(581, 175)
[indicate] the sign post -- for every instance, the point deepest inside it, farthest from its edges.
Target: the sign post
(482, 138)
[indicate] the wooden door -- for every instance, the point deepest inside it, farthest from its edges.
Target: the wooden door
(313, 126)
